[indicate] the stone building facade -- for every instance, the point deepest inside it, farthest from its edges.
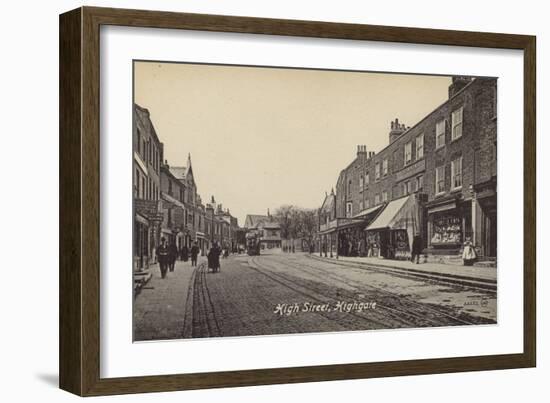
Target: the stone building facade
(167, 203)
(147, 157)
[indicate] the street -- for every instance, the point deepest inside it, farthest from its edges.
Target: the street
(284, 293)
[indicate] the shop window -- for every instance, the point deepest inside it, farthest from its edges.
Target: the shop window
(457, 123)
(440, 134)
(447, 230)
(408, 153)
(456, 173)
(420, 146)
(440, 179)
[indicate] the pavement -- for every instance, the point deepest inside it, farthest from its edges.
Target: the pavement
(485, 277)
(160, 307)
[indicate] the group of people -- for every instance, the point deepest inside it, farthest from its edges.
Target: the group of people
(167, 254)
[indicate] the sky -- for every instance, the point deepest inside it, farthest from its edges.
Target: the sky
(263, 137)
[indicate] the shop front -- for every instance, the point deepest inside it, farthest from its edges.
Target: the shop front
(391, 233)
(449, 226)
(147, 220)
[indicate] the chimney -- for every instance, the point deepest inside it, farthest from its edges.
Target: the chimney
(361, 150)
(457, 84)
(396, 129)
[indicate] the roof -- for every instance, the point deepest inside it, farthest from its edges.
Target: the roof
(395, 213)
(368, 211)
(328, 203)
(252, 220)
(178, 172)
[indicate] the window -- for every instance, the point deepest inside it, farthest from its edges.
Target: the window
(385, 166)
(440, 179)
(456, 173)
(420, 147)
(408, 153)
(385, 196)
(377, 171)
(367, 203)
(349, 188)
(361, 205)
(406, 188)
(361, 183)
(419, 183)
(136, 188)
(349, 209)
(457, 123)
(377, 198)
(367, 180)
(143, 187)
(440, 134)
(169, 187)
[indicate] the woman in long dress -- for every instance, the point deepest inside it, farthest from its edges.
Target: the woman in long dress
(469, 253)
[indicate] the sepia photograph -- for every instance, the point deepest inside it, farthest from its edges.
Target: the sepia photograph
(279, 200)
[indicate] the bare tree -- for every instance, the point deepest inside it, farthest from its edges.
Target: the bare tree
(297, 223)
(283, 215)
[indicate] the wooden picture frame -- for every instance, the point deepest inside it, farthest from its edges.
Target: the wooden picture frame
(79, 346)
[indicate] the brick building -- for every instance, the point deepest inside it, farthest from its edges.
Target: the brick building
(436, 178)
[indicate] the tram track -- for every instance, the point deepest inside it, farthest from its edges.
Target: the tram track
(204, 321)
(398, 308)
(398, 297)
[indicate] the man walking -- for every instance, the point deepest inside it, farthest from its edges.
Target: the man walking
(163, 256)
(172, 255)
(416, 248)
(194, 253)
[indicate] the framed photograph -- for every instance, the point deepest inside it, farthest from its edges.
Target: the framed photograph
(248, 201)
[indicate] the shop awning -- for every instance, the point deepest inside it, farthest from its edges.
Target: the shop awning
(398, 214)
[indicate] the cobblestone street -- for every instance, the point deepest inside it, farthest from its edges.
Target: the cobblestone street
(293, 293)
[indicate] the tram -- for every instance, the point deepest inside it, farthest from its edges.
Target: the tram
(252, 243)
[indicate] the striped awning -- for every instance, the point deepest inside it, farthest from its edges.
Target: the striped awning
(398, 214)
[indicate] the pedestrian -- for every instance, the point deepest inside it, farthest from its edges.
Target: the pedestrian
(214, 257)
(194, 253)
(172, 255)
(416, 248)
(469, 254)
(185, 253)
(162, 257)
